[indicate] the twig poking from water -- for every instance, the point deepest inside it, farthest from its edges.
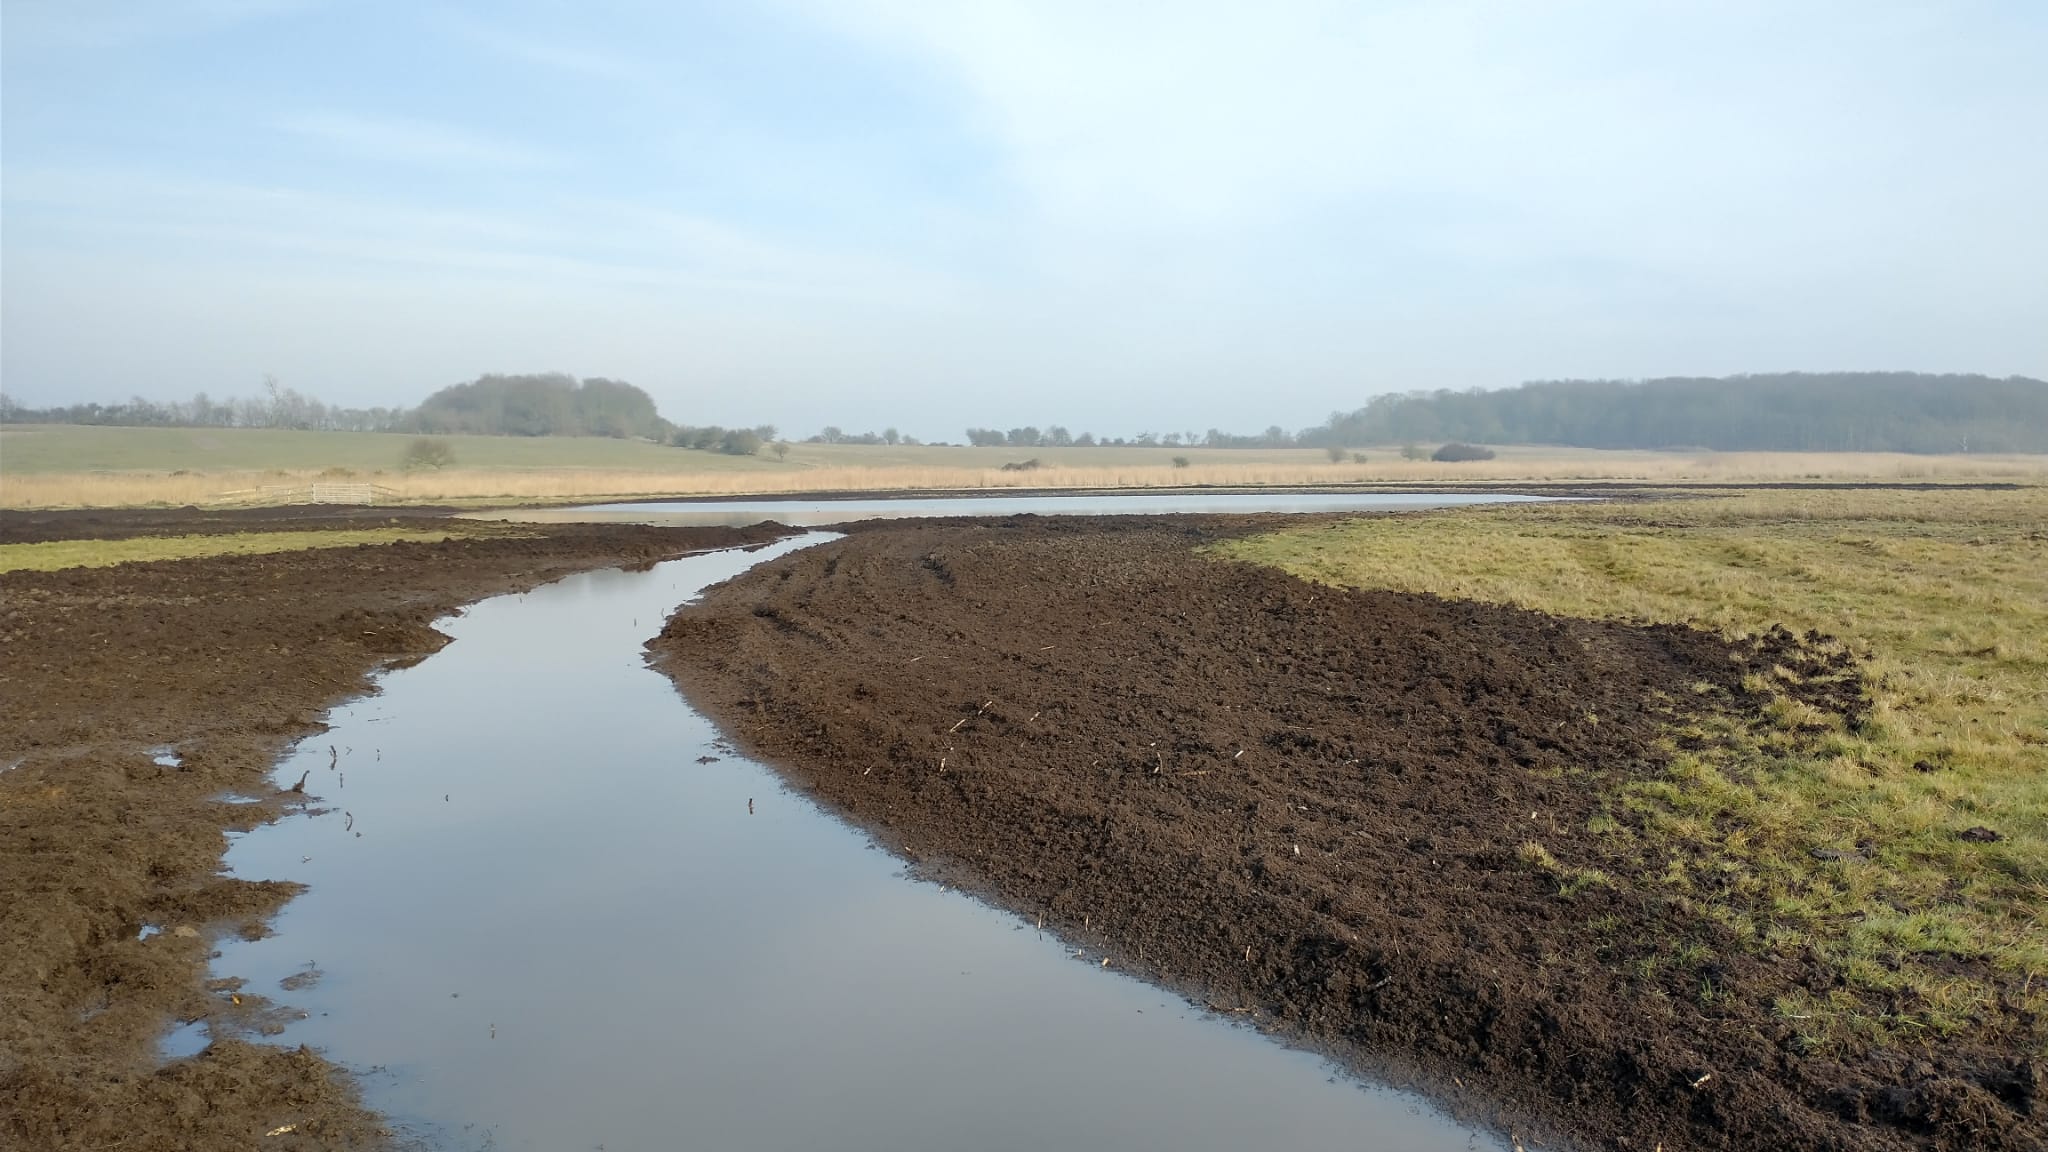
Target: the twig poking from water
(750, 805)
(348, 821)
(300, 787)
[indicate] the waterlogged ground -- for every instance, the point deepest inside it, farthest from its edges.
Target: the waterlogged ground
(549, 909)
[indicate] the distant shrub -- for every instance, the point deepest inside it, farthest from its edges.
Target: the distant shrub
(1336, 454)
(781, 449)
(1358, 457)
(1456, 453)
(1031, 465)
(1180, 461)
(1413, 451)
(427, 452)
(740, 442)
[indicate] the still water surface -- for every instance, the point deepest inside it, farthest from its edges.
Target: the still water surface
(812, 512)
(540, 922)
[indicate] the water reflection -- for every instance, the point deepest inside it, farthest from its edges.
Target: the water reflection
(811, 512)
(552, 927)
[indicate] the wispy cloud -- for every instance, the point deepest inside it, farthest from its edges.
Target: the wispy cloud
(415, 142)
(552, 51)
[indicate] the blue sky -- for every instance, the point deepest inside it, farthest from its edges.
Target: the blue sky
(1114, 216)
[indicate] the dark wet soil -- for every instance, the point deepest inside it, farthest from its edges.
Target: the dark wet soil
(22, 526)
(1361, 814)
(217, 665)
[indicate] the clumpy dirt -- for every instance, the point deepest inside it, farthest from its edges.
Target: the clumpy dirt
(218, 664)
(1358, 815)
(25, 526)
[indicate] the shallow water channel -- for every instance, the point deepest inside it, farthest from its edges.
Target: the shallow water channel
(541, 916)
(815, 512)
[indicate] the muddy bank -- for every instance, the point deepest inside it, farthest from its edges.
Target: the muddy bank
(25, 526)
(136, 697)
(1363, 815)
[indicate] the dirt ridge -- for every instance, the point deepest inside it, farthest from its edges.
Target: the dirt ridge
(1362, 814)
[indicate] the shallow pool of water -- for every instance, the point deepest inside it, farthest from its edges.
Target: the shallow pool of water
(812, 512)
(552, 911)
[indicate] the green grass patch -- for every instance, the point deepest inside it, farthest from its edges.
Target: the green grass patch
(1849, 843)
(49, 556)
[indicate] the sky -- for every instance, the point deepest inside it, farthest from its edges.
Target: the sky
(1113, 216)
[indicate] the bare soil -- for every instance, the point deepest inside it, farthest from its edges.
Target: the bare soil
(224, 661)
(1317, 809)
(26, 526)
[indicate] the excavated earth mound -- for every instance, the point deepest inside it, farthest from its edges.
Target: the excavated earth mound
(1357, 817)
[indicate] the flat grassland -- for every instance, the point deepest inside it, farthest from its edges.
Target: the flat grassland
(1908, 850)
(54, 466)
(55, 555)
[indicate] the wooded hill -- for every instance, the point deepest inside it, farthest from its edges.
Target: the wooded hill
(1794, 412)
(547, 404)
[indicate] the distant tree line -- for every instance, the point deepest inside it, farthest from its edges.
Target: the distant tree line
(1810, 412)
(549, 404)
(1797, 412)
(1059, 437)
(731, 441)
(833, 435)
(275, 407)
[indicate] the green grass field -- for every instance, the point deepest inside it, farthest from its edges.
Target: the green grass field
(33, 448)
(54, 466)
(1847, 842)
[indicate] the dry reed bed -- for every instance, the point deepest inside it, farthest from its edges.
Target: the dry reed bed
(112, 489)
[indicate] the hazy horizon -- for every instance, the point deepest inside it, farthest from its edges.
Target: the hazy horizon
(1127, 217)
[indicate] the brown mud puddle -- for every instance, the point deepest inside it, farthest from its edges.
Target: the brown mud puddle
(1311, 803)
